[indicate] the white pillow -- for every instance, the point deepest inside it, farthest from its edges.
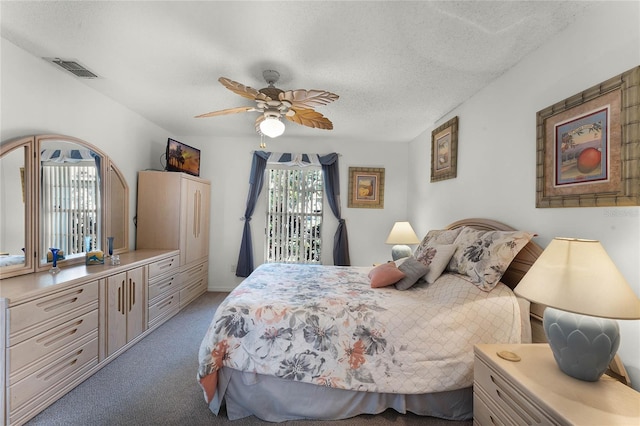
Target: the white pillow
(437, 258)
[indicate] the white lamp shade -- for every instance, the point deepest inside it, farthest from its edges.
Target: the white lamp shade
(272, 127)
(578, 276)
(402, 233)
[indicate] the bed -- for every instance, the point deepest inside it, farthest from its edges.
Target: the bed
(323, 342)
(11, 259)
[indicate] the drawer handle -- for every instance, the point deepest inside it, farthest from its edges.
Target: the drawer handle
(165, 303)
(57, 302)
(59, 334)
(166, 264)
(195, 284)
(61, 366)
(197, 271)
(525, 414)
(166, 284)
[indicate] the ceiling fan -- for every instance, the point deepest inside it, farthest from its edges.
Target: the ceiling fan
(273, 104)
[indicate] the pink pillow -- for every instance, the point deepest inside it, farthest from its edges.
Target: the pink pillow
(385, 274)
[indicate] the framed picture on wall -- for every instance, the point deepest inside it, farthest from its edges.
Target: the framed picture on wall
(588, 147)
(366, 187)
(444, 151)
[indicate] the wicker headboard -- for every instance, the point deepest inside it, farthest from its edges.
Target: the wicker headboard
(522, 262)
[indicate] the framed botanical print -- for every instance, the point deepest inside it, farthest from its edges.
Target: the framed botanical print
(366, 187)
(444, 151)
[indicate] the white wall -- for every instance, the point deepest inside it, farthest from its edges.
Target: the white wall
(39, 99)
(227, 163)
(497, 144)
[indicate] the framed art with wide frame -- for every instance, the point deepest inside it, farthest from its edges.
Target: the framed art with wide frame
(588, 147)
(366, 187)
(444, 151)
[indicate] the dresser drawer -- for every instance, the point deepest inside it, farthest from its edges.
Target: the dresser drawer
(164, 266)
(52, 340)
(193, 289)
(46, 308)
(162, 286)
(54, 371)
(486, 413)
(194, 272)
(164, 308)
(504, 395)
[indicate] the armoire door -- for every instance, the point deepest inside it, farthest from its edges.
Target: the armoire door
(197, 217)
(125, 308)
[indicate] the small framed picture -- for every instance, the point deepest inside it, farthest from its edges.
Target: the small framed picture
(444, 151)
(366, 187)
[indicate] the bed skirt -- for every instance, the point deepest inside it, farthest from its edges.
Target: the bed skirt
(276, 400)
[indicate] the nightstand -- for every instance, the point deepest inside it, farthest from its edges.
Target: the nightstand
(534, 391)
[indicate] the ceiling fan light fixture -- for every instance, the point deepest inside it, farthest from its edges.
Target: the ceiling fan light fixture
(272, 127)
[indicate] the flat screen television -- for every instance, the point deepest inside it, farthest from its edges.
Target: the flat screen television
(182, 158)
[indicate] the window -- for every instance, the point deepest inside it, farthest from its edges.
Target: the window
(294, 215)
(70, 207)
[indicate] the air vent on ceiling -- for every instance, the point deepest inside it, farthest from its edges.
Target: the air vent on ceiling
(73, 67)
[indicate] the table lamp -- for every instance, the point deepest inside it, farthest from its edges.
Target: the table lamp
(584, 293)
(401, 234)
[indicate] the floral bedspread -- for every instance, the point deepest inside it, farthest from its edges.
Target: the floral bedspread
(325, 325)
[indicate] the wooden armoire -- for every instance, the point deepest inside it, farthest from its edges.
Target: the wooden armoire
(173, 212)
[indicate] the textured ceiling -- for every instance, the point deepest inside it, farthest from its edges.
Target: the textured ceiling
(398, 66)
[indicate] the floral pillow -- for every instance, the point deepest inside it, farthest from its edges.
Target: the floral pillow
(485, 255)
(437, 258)
(435, 237)
(385, 274)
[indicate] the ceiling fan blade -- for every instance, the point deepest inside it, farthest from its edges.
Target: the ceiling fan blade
(310, 118)
(226, 111)
(239, 88)
(308, 98)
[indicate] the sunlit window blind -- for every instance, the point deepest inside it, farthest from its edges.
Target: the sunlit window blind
(294, 215)
(70, 206)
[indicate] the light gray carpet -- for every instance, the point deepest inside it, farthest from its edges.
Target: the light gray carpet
(154, 383)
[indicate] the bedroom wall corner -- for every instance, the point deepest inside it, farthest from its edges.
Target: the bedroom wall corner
(496, 149)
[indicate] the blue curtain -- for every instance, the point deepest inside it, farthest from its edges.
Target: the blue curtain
(331, 172)
(256, 179)
(98, 161)
(332, 188)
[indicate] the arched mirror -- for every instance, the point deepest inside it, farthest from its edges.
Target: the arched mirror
(117, 219)
(16, 207)
(78, 198)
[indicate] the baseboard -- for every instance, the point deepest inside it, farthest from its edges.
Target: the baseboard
(213, 287)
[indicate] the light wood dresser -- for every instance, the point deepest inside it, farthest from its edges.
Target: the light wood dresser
(58, 330)
(534, 391)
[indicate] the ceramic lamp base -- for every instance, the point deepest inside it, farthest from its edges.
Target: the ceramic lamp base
(583, 346)
(400, 251)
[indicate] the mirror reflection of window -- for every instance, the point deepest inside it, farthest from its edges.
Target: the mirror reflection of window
(70, 200)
